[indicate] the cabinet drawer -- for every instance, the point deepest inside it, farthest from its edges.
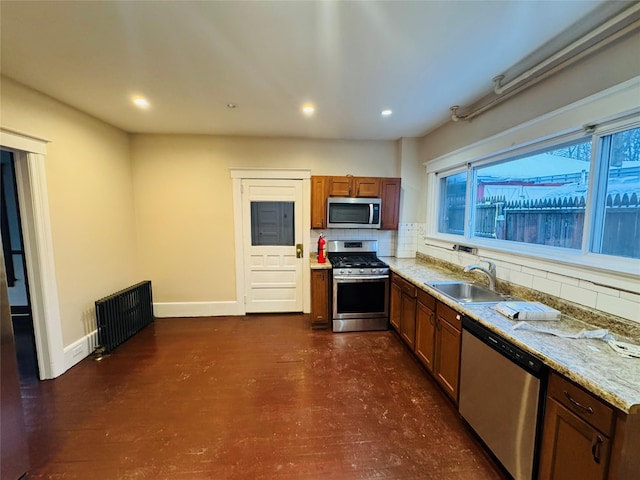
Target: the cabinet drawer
(427, 300)
(584, 404)
(450, 315)
(406, 287)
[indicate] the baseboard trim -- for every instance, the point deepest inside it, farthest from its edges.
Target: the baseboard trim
(80, 349)
(197, 309)
(83, 347)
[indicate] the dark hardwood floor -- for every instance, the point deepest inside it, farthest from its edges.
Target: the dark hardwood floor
(256, 397)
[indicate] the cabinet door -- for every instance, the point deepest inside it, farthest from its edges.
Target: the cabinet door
(395, 306)
(320, 313)
(571, 448)
(340, 186)
(390, 196)
(318, 202)
(408, 319)
(366, 187)
(425, 335)
(447, 364)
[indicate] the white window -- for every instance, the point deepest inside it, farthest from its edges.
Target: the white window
(580, 196)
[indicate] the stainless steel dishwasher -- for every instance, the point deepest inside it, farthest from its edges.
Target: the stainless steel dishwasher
(501, 395)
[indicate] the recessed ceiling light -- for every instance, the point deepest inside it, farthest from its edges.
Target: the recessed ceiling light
(386, 113)
(308, 109)
(231, 105)
(141, 102)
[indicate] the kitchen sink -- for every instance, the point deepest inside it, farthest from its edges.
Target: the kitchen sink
(468, 293)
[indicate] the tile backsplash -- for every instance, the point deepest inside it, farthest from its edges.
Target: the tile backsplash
(402, 243)
(407, 240)
(387, 239)
(567, 286)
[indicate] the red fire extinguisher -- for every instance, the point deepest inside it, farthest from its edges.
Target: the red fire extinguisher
(322, 249)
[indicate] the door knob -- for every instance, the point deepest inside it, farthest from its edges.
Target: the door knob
(299, 250)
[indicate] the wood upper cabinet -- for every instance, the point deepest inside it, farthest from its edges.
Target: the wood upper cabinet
(340, 186)
(447, 349)
(366, 187)
(387, 189)
(320, 304)
(576, 434)
(390, 196)
(349, 186)
(319, 202)
(425, 346)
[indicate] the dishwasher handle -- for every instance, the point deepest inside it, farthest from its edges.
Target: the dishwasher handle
(504, 347)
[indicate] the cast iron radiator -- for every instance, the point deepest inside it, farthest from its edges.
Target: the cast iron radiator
(123, 314)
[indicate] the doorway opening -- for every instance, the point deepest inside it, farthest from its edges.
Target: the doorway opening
(16, 268)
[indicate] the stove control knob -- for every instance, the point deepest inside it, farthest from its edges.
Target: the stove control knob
(362, 270)
(374, 270)
(349, 271)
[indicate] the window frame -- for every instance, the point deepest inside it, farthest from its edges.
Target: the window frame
(598, 170)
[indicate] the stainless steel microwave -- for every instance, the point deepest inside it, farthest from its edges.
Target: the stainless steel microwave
(343, 212)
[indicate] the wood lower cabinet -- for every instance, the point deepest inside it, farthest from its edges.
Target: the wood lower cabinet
(576, 437)
(395, 303)
(448, 343)
(431, 329)
(408, 317)
(426, 330)
(583, 436)
(574, 449)
(403, 309)
(320, 295)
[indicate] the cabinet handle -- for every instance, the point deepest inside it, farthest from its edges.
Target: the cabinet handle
(595, 448)
(431, 320)
(578, 404)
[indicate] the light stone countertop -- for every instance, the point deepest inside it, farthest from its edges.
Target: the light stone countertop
(590, 363)
(314, 265)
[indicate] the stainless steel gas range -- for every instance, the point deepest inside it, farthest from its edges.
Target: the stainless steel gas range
(360, 286)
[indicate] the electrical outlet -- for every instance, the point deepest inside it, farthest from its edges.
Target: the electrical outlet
(464, 248)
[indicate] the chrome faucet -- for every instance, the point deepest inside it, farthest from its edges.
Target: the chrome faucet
(489, 271)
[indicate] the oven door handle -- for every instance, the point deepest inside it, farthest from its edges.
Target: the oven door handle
(360, 278)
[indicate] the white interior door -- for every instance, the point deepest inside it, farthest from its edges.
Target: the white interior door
(272, 230)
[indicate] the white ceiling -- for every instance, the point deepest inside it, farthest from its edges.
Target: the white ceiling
(351, 59)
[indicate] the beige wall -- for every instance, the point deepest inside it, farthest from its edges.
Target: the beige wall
(90, 201)
(159, 207)
(413, 179)
(610, 67)
(184, 209)
(566, 94)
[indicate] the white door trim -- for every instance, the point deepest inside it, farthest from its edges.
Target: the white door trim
(237, 175)
(29, 159)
